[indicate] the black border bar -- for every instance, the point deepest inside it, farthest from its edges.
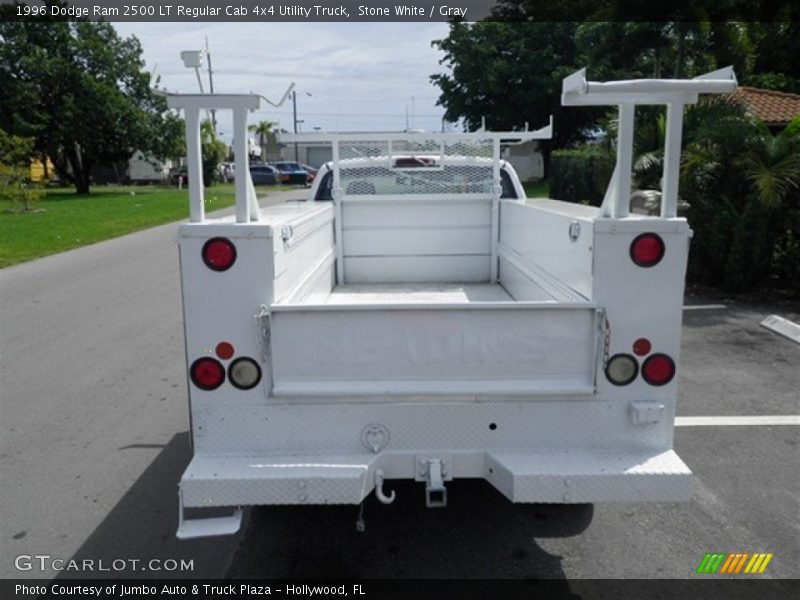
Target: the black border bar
(398, 10)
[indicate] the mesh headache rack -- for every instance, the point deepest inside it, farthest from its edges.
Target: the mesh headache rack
(417, 166)
(417, 163)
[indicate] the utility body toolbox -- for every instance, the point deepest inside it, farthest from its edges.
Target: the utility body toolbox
(416, 317)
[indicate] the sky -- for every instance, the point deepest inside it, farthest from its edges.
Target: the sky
(348, 76)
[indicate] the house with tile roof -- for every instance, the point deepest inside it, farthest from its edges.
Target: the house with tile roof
(775, 108)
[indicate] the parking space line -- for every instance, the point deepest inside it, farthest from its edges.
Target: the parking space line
(785, 327)
(704, 307)
(737, 421)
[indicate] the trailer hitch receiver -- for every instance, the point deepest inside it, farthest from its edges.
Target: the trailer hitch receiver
(435, 492)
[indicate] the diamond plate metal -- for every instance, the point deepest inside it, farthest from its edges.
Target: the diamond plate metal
(599, 476)
(564, 477)
(213, 481)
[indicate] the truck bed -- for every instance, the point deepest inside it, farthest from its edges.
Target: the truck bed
(409, 306)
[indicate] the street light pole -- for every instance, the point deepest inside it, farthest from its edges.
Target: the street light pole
(211, 87)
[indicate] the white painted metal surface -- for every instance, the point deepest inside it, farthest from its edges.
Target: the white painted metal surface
(675, 94)
(578, 91)
(412, 349)
(423, 325)
(416, 293)
(240, 104)
(537, 254)
(506, 137)
(402, 240)
(538, 476)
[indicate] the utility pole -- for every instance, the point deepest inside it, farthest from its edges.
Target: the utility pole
(211, 87)
(294, 121)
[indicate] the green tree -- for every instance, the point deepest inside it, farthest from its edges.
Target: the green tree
(622, 50)
(772, 163)
(80, 91)
(776, 56)
(15, 151)
(762, 54)
(213, 151)
(509, 74)
(262, 129)
(742, 182)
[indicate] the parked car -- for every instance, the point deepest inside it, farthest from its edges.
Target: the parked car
(178, 176)
(311, 171)
(226, 170)
(264, 175)
(291, 172)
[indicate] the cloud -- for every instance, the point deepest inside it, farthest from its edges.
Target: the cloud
(361, 76)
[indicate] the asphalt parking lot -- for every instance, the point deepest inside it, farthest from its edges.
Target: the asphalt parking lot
(94, 438)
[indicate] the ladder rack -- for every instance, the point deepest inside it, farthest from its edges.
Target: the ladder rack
(675, 93)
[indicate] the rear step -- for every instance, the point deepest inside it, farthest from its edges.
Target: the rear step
(206, 527)
(563, 476)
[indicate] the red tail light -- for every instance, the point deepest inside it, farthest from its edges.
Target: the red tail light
(658, 369)
(224, 350)
(219, 254)
(207, 373)
(642, 347)
(647, 249)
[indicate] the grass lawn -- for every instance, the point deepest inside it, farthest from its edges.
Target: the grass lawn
(537, 189)
(69, 221)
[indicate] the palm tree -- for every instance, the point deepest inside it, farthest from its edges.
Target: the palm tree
(725, 145)
(742, 182)
(649, 141)
(262, 129)
(772, 163)
(213, 152)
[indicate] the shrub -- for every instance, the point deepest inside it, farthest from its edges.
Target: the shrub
(786, 250)
(16, 187)
(580, 174)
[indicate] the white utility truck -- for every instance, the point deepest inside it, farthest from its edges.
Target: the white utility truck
(417, 318)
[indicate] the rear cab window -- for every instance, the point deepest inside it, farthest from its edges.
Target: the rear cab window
(449, 179)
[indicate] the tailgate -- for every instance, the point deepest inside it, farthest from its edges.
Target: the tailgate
(503, 349)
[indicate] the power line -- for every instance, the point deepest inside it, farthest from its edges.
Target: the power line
(351, 115)
(304, 76)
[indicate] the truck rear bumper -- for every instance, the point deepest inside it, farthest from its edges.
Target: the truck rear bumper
(568, 476)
